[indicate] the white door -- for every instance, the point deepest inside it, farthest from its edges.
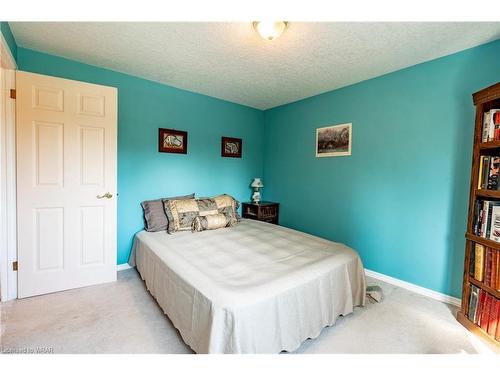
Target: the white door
(66, 183)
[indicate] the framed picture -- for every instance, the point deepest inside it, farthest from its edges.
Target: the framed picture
(334, 140)
(174, 141)
(231, 147)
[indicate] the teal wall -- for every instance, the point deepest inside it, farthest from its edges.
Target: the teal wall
(143, 172)
(401, 198)
(9, 38)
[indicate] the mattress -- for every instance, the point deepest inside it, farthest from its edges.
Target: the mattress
(252, 288)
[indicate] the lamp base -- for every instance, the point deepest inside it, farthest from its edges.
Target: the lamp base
(256, 197)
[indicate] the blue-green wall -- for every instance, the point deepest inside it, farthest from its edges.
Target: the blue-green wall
(143, 172)
(9, 38)
(401, 198)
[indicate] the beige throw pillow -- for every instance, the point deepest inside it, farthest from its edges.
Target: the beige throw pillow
(209, 222)
(181, 213)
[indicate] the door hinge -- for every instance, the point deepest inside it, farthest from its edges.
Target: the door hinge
(12, 93)
(14, 265)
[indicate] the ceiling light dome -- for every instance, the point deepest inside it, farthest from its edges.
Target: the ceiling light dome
(270, 30)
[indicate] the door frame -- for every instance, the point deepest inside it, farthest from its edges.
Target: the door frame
(8, 217)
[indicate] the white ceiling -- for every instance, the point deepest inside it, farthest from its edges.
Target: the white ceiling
(230, 61)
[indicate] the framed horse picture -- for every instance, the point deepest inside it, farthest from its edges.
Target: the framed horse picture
(174, 141)
(231, 147)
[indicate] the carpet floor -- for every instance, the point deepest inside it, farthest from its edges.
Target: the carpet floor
(122, 317)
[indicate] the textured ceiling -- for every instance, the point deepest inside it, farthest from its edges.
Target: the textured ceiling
(230, 61)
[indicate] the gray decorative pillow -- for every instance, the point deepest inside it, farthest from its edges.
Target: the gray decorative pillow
(155, 218)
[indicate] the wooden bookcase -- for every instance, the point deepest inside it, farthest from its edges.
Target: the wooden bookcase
(484, 100)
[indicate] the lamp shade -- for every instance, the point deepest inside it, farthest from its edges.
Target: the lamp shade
(257, 183)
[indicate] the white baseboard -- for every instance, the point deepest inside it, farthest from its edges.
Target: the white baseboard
(123, 267)
(415, 288)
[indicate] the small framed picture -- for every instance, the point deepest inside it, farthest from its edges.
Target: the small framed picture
(231, 147)
(334, 140)
(174, 141)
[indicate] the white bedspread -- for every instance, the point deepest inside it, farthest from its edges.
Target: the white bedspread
(253, 288)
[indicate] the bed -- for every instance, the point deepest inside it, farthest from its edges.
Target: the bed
(252, 288)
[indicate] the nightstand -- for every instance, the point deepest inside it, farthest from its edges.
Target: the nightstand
(264, 211)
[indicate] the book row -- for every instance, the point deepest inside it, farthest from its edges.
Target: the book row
(486, 221)
(484, 265)
(488, 173)
(491, 126)
(484, 311)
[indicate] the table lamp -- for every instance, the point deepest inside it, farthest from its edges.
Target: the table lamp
(256, 185)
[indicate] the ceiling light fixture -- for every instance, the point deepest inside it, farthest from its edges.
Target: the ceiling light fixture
(270, 30)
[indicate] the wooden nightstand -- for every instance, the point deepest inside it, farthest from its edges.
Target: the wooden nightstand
(264, 211)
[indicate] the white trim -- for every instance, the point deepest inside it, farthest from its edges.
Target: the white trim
(11, 185)
(414, 288)
(123, 267)
(8, 218)
(7, 60)
(8, 228)
(3, 190)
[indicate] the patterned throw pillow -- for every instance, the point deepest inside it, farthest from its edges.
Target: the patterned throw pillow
(154, 215)
(216, 221)
(181, 213)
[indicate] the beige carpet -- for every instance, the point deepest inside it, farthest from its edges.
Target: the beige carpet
(122, 317)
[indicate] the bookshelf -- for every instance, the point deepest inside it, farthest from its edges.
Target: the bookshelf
(484, 101)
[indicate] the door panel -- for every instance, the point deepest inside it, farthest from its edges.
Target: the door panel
(48, 160)
(91, 105)
(46, 98)
(92, 161)
(92, 244)
(66, 158)
(49, 236)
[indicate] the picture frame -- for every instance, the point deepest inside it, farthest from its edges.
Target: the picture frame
(334, 140)
(231, 147)
(172, 141)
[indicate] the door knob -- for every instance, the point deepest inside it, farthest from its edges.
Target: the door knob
(108, 195)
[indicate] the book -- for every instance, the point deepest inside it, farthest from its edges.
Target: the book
(484, 217)
(487, 266)
(477, 214)
(497, 334)
(480, 181)
(486, 220)
(489, 216)
(494, 268)
(472, 258)
(479, 260)
(473, 299)
(492, 126)
(486, 125)
(495, 119)
(480, 304)
(495, 223)
(494, 316)
(486, 164)
(485, 312)
(475, 219)
(493, 173)
(489, 171)
(498, 271)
